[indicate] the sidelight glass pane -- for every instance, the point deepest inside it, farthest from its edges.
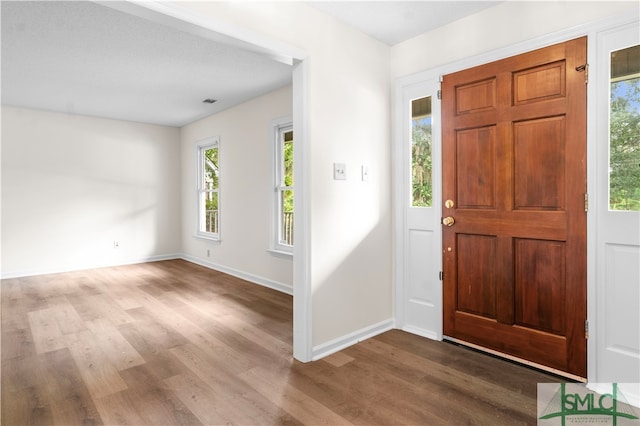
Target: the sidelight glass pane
(624, 130)
(421, 143)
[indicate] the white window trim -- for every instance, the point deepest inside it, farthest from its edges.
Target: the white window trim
(276, 246)
(211, 142)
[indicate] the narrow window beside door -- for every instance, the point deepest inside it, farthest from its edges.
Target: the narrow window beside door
(421, 159)
(624, 130)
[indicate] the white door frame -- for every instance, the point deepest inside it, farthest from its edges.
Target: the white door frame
(593, 286)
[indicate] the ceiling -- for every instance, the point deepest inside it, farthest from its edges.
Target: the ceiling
(86, 58)
(392, 22)
(96, 59)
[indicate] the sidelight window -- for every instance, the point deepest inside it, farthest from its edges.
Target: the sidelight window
(624, 130)
(421, 157)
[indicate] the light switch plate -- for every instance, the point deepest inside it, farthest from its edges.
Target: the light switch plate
(339, 171)
(365, 173)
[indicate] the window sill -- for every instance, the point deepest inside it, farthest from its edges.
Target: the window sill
(216, 240)
(281, 253)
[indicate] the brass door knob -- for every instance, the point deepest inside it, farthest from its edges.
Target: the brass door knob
(448, 221)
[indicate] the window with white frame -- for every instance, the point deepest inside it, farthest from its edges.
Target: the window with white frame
(209, 188)
(283, 186)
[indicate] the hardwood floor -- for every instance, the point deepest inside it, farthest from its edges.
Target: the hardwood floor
(173, 343)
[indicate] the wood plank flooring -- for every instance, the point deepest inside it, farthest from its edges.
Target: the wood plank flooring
(173, 343)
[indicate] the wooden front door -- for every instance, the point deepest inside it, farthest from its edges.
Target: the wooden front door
(514, 184)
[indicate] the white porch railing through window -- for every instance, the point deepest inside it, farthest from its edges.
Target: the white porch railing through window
(287, 225)
(212, 221)
(287, 228)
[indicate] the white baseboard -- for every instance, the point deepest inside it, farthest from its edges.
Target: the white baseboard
(231, 271)
(73, 268)
(265, 282)
(335, 345)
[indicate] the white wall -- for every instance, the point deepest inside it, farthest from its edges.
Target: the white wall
(72, 185)
(503, 25)
(348, 101)
(245, 156)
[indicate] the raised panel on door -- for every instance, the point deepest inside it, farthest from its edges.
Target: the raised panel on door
(475, 167)
(539, 164)
(423, 286)
(476, 275)
(539, 282)
(621, 301)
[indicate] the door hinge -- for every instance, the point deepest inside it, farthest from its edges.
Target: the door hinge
(586, 329)
(439, 94)
(441, 275)
(586, 201)
(584, 68)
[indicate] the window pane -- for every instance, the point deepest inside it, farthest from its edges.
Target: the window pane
(209, 212)
(286, 207)
(421, 187)
(288, 158)
(211, 168)
(624, 136)
(210, 206)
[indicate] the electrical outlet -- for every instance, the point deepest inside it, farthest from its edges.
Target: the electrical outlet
(339, 171)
